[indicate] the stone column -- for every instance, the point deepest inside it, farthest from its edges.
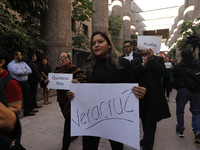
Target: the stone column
(56, 30)
(117, 10)
(133, 23)
(196, 12)
(100, 18)
(189, 9)
(180, 19)
(127, 20)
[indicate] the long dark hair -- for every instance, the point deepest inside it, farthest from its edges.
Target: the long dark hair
(43, 64)
(112, 56)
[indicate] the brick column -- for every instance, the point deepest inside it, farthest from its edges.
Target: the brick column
(56, 30)
(100, 18)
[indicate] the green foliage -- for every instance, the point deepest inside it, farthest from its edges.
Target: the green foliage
(81, 41)
(28, 8)
(181, 44)
(134, 41)
(172, 53)
(119, 48)
(188, 27)
(82, 11)
(115, 25)
(134, 36)
(22, 33)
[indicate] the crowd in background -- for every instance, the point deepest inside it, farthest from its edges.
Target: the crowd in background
(157, 76)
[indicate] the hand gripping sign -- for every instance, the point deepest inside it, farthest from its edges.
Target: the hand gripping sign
(146, 42)
(59, 80)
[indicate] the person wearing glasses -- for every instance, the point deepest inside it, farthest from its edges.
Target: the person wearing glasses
(64, 102)
(128, 51)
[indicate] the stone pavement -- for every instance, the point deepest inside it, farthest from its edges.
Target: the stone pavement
(44, 131)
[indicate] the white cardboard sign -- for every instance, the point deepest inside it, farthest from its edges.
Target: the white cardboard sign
(168, 65)
(59, 80)
(146, 42)
(106, 110)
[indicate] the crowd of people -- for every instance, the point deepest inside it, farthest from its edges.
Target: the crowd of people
(20, 82)
(155, 75)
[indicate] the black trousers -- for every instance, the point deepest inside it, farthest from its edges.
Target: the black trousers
(33, 92)
(92, 143)
(167, 86)
(149, 128)
(26, 96)
(67, 132)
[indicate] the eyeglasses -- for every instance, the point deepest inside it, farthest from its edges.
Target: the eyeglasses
(62, 58)
(127, 46)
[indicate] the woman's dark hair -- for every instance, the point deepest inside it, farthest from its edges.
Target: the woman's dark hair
(112, 56)
(4, 55)
(43, 64)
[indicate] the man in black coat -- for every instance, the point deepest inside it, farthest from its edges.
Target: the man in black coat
(148, 70)
(128, 51)
(34, 78)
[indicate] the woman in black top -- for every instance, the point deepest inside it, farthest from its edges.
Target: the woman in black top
(106, 67)
(44, 70)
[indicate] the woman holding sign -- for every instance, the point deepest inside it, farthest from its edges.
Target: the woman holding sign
(106, 67)
(64, 102)
(168, 77)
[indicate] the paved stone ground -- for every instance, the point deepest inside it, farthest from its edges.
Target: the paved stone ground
(44, 131)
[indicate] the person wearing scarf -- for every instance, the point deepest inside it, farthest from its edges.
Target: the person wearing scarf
(64, 102)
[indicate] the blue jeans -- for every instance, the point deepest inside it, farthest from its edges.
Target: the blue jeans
(183, 96)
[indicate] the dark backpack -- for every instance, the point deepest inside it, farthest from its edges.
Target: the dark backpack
(6, 79)
(192, 78)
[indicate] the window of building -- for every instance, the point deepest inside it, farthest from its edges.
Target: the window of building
(85, 29)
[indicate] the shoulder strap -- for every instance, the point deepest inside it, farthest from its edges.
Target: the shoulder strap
(6, 79)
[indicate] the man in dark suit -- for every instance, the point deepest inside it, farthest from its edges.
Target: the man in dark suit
(33, 78)
(148, 70)
(128, 51)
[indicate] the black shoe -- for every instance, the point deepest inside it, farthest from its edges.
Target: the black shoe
(197, 138)
(180, 133)
(28, 114)
(37, 106)
(142, 142)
